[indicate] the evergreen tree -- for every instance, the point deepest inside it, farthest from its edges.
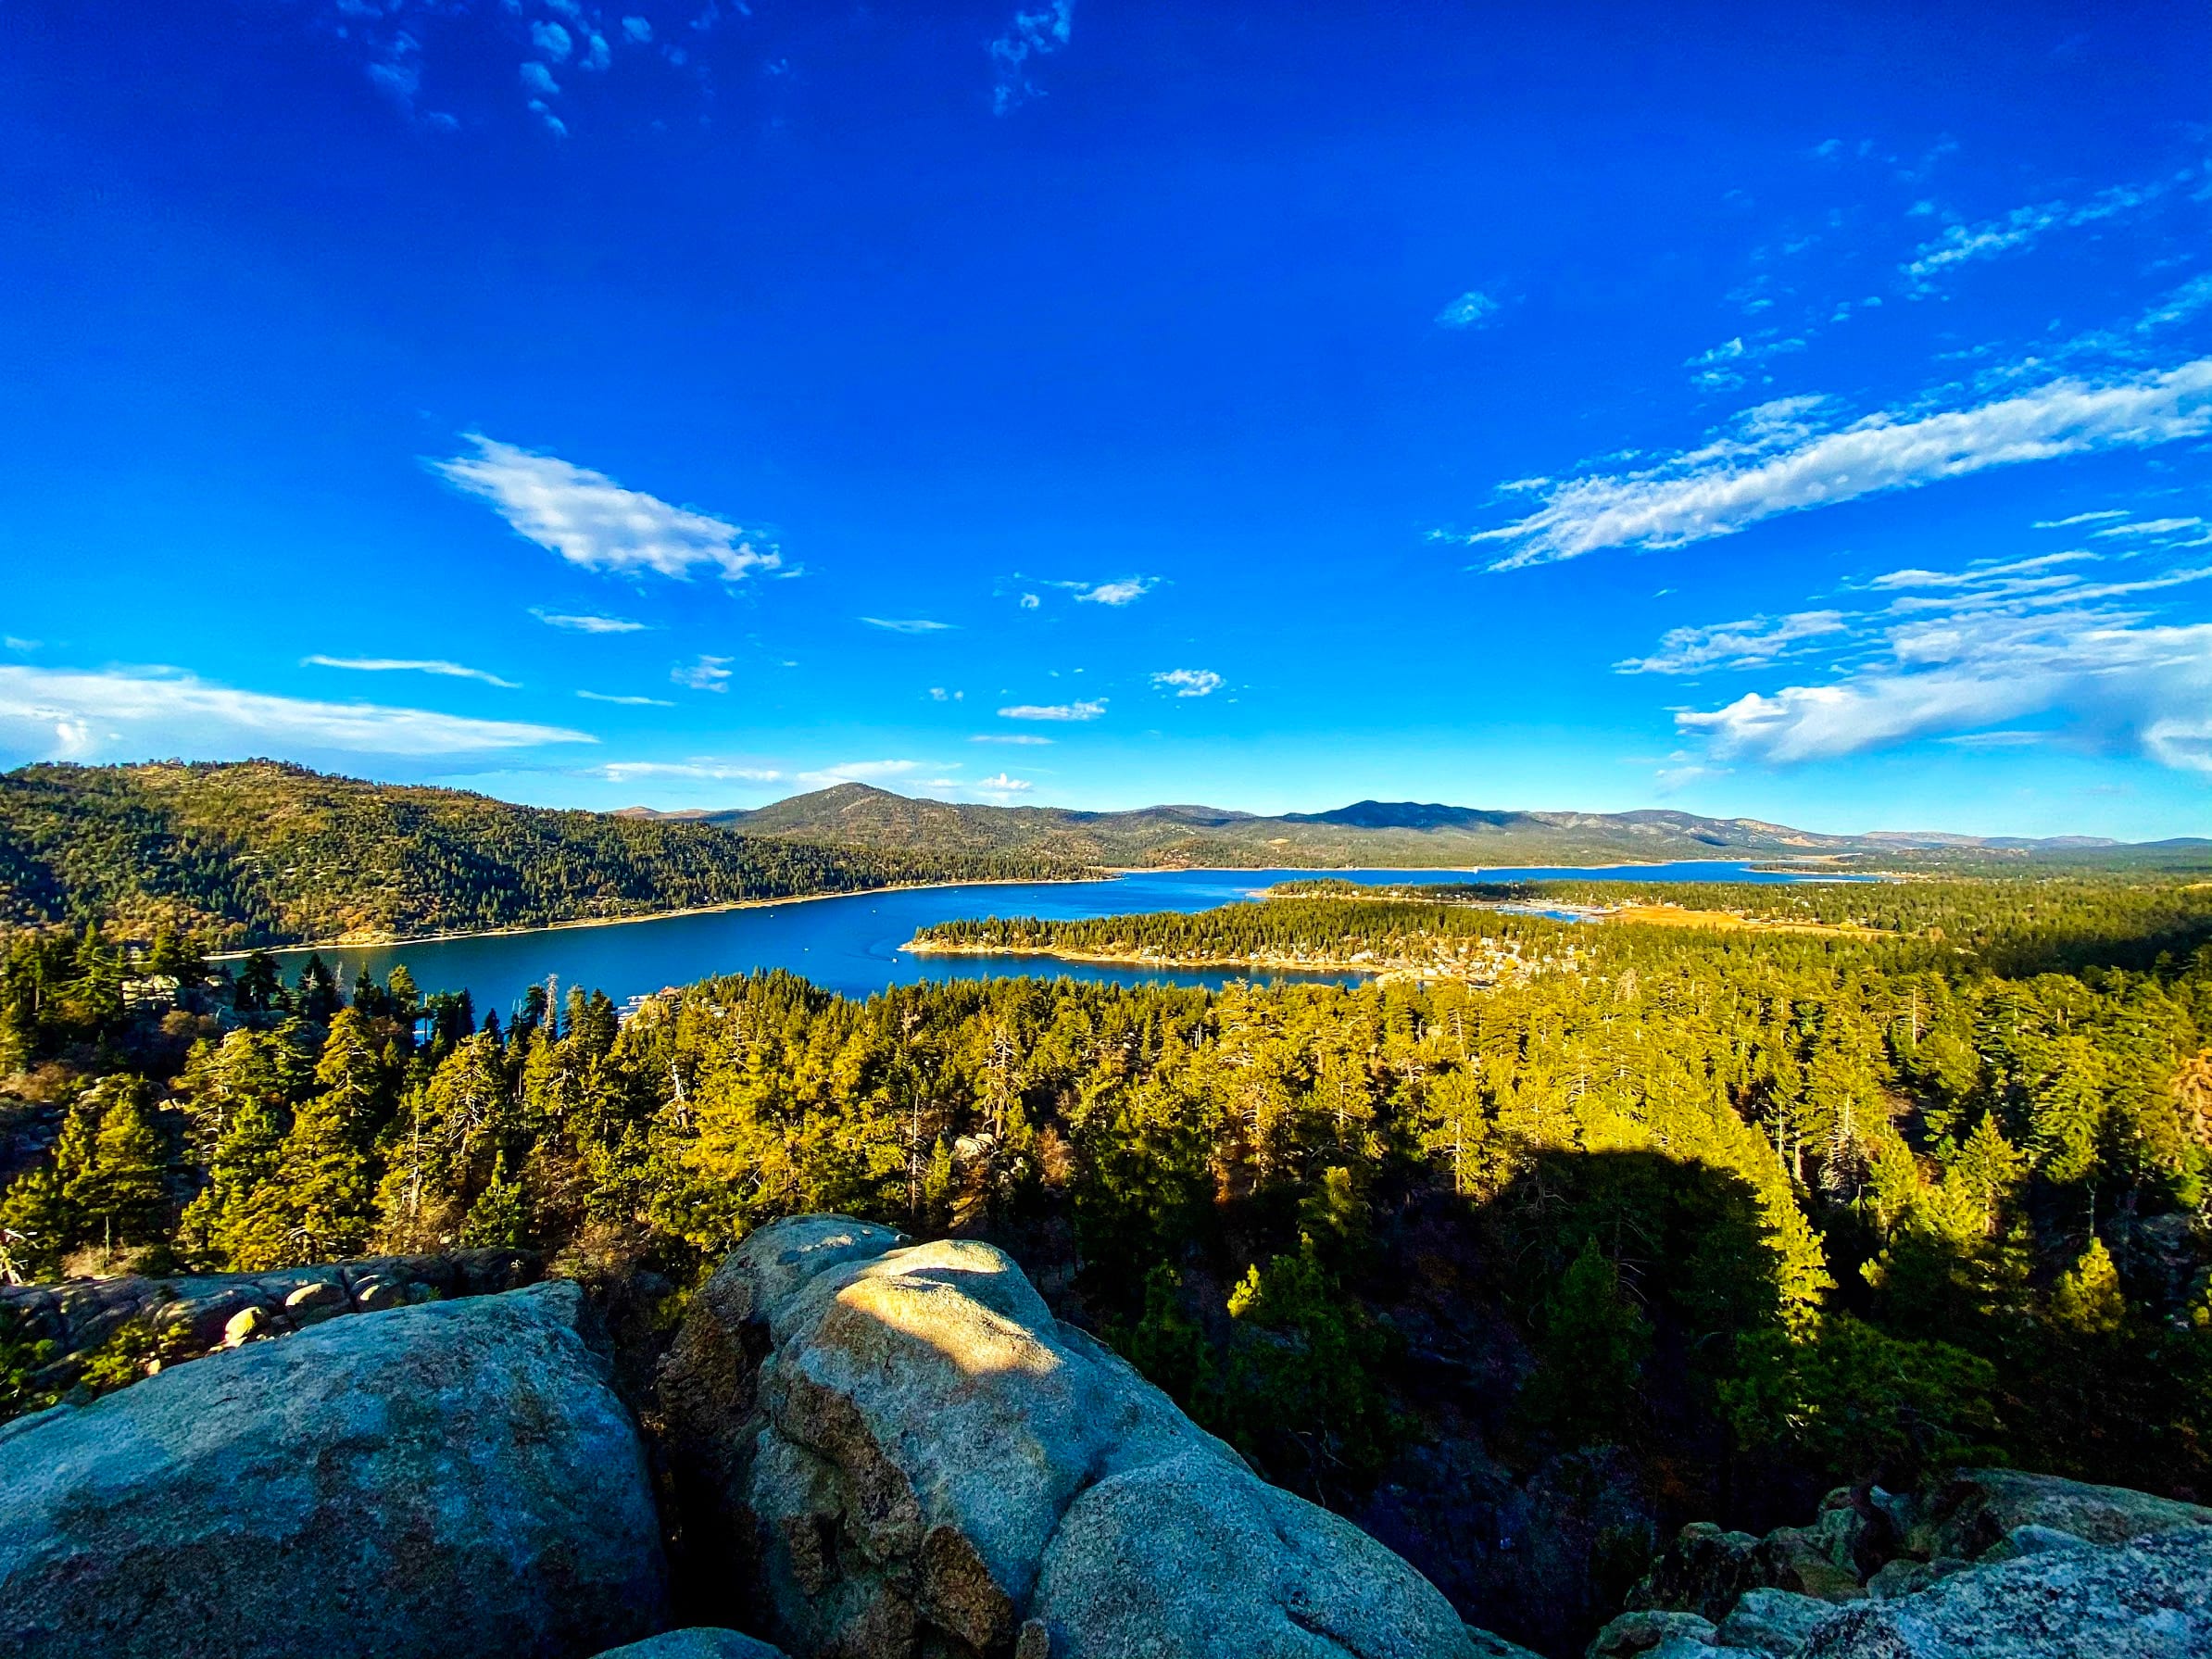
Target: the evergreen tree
(1591, 1353)
(2087, 1300)
(118, 1185)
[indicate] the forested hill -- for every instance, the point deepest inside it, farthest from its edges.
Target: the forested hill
(260, 852)
(1373, 833)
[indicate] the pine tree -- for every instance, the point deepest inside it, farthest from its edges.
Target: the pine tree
(2087, 1298)
(500, 1217)
(1593, 1348)
(1988, 1168)
(217, 1223)
(119, 1186)
(315, 1204)
(38, 1224)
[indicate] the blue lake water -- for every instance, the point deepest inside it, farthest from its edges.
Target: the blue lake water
(853, 944)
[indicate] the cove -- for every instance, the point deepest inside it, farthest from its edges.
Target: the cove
(852, 944)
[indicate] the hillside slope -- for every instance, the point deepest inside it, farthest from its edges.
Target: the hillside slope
(1375, 833)
(260, 852)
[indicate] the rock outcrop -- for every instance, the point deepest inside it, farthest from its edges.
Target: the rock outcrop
(896, 1451)
(2151, 1598)
(696, 1641)
(447, 1479)
(1993, 1563)
(191, 1315)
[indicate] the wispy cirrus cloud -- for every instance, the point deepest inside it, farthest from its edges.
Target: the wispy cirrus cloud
(704, 673)
(1793, 465)
(625, 702)
(1089, 708)
(587, 624)
(593, 521)
(1189, 681)
(406, 665)
(125, 713)
(1026, 738)
(908, 624)
(625, 772)
(2154, 529)
(2102, 516)
(1753, 643)
(1030, 35)
(1961, 244)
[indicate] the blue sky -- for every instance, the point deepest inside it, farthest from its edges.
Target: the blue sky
(1804, 414)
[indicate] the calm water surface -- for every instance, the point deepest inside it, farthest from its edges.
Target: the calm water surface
(853, 944)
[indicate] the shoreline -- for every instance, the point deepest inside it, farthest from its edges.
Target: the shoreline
(1190, 962)
(1106, 873)
(691, 910)
(920, 946)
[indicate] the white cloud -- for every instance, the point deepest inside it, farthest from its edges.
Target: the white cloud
(623, 772)
(1731, 362)
(2153, 527)
(1964, 656)
(13, 644)
(626, 702)
(1752, 643)
(909, 625)
(1030, 601)
(1004, 785)
(1189, 681)
(591, 520)
(1125, 591)
(2184, 302)
(1788, 467)
(709, 674)
(2082, 518)
(1032, 34)
(126, 713)
(588, 624)
(1962, 243)
(1089, 709)
(2007, 578)
(1026, 738)
(457, 42)
(1472, 309)
(386, 665)
(937, 694)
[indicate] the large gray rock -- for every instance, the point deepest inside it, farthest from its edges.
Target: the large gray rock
(1971, 1513)
(2148, 1599)
(700, 1641)
(453, 1479)
(1653, 1633)
(1772, 1621)
(902, 1453)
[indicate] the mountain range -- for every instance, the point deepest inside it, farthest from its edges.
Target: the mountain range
(1370, 832)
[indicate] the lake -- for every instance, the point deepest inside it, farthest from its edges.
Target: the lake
(851, 944)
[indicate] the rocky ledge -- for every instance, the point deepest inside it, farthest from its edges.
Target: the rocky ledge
(1993, 1563)
(869, 1449)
